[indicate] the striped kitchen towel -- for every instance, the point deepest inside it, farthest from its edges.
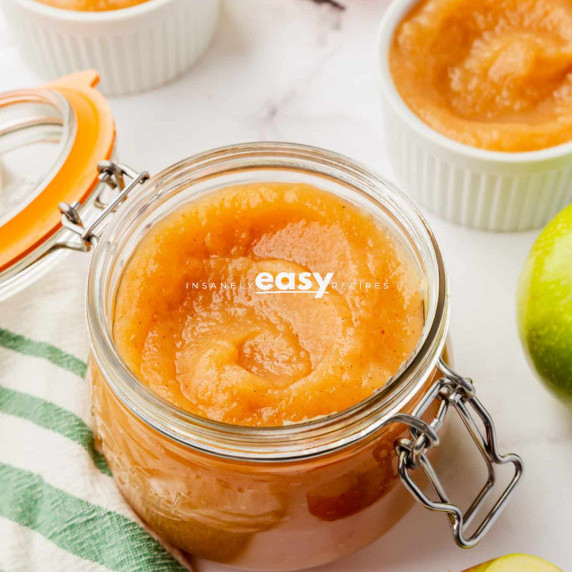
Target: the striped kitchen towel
(59, 507)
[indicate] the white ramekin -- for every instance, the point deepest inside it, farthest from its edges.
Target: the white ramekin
(488, 190)
(134, 49)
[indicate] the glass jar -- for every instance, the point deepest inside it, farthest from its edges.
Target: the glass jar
(292, 496)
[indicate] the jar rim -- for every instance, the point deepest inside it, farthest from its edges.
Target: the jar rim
(276, 443)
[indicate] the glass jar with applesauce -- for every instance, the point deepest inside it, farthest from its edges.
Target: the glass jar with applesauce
(295, 495)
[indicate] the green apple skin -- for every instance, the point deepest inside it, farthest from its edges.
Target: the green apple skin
(545, 305)
(515, 563)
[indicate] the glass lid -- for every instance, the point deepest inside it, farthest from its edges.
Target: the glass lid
(51, 140)
(37, 130)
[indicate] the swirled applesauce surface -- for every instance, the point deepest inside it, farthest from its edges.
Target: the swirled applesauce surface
(266, 304)
(494, 74)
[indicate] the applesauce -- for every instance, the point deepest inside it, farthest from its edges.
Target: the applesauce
(267, 304)
(92, 5)
(491, 74)
(257, 485)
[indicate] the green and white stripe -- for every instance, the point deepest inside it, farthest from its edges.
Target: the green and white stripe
(25, 346)
(39, 550)
(46, 415)
(59, 507)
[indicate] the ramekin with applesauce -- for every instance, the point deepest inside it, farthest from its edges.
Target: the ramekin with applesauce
(486, 143)
(294, 495)
(136, 47)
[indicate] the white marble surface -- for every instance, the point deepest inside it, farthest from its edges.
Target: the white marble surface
(298, 71)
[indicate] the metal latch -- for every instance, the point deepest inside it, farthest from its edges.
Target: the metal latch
(113, 176)
(458, 392)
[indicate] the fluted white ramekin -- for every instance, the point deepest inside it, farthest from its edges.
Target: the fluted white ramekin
(134, 49)
(488, 190)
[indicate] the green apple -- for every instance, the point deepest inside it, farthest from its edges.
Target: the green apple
(545, 304)
(515, 563)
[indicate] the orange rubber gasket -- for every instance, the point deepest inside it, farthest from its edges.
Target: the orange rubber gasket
(77, 178)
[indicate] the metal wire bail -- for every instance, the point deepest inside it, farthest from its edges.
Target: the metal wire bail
(458, 392)
(112, 175)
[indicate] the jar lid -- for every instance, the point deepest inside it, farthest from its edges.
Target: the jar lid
(51, 140)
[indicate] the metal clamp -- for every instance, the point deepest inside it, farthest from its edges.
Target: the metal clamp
(112, 175)
(458, 392)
